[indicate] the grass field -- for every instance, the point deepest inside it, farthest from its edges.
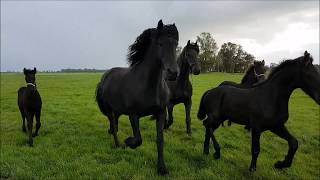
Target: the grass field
(73, 142)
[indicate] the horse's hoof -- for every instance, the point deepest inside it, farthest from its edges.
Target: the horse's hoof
(205, 151)
(189, 133)
(162, 171)
(110, 131)
(281, 164)
(252, 169)
(132, 142)
(216, 155)
(34, 135)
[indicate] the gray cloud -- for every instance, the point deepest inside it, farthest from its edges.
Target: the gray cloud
(61, 34)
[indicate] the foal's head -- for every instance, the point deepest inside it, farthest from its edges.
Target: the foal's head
(30, 75)
(259, 70)
(309, 80)
(190, 53)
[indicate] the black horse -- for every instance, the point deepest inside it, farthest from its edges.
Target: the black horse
(263, 107)
(29, 102)
(254, 74)
(141, 90)
(181, 89)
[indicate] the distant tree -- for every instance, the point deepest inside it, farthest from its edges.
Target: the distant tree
(233, 58)
(208, 51)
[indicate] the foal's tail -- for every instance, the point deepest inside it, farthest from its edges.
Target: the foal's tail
(201, 112)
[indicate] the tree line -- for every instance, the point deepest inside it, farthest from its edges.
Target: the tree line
(230, 58)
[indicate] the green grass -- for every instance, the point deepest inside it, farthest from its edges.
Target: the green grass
(73, 142)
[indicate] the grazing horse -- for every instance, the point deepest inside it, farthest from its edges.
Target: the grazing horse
(181, 88)
(255, 74)
(263, 107)
(140, 89)
(29, 102)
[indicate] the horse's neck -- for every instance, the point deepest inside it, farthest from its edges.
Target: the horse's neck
(249, 78)
(149, 70)
(183, 77)
(282, 85)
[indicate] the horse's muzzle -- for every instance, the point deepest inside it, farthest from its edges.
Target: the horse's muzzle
(172, 75)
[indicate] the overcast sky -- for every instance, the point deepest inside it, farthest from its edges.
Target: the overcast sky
(81, 34)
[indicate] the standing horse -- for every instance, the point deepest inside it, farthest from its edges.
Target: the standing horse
(255, 74)
(140, 90)
(181, 89)
(29, 102)
(263, 107)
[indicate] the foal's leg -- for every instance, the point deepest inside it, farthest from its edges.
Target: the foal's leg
(162, 170)
(113, 129)
(30, 125)
(255, 148)
(169, 121)
(187, 107)
(209, 134)
(134, 142)
(38, 124)
(293, 146)
(23, 120)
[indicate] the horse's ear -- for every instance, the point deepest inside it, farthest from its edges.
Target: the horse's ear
(24, 70)
(196, 43)
(160, 25)
(307, 59)
(263, 62)
(254, 62)
(34, 70)
(188, 43)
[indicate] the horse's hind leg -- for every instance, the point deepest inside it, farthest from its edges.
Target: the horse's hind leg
(208, 135)
(134, 142)
(113, 130)
(293, 146)
(23, 120)
(30, 125)
(187, 106)
(38, 124)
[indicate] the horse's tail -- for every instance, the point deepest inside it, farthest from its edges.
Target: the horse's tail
(99, 95)
(201, 112)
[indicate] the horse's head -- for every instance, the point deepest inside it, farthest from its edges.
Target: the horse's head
(167, 38)
(309, 77)
(259, 70)
(191, 55)
(30, 75)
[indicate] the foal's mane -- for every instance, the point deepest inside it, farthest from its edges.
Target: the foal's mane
(245, 77)
(140, 46)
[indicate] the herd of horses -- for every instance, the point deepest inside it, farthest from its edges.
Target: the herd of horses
(156, 81)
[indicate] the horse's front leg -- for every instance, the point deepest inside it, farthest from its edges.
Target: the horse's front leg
(162, 170)
(283, 133)
(134, 142)
(169, 121)
(187, 106)
(255, 148)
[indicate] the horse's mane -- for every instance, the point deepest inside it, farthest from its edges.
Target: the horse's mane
(284, 64)
(249, 70)
(138, 49)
